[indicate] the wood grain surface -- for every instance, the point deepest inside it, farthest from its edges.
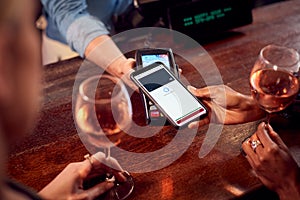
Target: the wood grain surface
(222, 174)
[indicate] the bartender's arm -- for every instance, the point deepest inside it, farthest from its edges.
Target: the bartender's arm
(70, 21)
(103, 52)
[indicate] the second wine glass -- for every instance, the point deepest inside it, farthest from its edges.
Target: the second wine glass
(103, 114)
(274, 78)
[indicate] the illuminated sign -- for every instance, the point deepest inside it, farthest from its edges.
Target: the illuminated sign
(204, 18)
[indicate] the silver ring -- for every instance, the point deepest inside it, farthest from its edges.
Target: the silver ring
(89, 158)
(255, 144)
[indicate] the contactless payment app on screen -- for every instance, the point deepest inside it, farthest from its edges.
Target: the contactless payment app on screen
(172, 97)
(148, 59)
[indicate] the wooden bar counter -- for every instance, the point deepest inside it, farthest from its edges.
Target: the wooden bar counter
(222, 174)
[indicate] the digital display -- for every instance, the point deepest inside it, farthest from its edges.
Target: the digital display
(148, 59)
(204, 17)
(156, 80)
(178, 103)
(152, 58)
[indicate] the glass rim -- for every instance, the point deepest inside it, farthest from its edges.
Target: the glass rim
(261, 54)
(89, 99)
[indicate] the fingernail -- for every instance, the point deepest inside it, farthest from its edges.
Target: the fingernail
(265, 127)
(109, 185)
(110, 180)
(191, 88)
(191, 125)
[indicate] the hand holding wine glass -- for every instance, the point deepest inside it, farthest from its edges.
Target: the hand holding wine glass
(274, 78)
(274, 83)
(103, 114)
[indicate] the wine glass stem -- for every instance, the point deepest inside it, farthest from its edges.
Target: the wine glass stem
(109, 174)
(107, 152)
(268, 118)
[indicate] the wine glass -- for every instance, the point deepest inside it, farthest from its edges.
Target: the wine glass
(103, 113)
(274, 78)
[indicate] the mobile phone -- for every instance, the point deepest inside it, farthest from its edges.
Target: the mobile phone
(166, 91)
(144, 57)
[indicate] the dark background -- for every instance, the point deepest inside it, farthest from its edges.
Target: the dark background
(258, 3)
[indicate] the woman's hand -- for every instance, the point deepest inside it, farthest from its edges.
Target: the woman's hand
(69, 183)
(272, 162)
(227, 105)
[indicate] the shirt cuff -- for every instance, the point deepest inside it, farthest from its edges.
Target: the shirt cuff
(82, 31)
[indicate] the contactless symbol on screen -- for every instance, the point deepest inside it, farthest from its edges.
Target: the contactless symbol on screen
(165, 89)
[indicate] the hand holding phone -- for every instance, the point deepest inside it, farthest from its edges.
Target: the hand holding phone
(178, 105)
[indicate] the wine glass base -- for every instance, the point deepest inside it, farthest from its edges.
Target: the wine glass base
(121, 190)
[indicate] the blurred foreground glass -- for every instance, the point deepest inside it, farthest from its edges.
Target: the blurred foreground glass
(274, 78)
(103, 114)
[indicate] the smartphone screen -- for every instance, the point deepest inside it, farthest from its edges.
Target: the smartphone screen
(146, 57)
(147, 60)
(176, 102)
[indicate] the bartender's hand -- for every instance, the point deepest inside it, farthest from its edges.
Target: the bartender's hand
(230, 107)
(273, 163)
(122, 68)
(104, 52)
(69, 183)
